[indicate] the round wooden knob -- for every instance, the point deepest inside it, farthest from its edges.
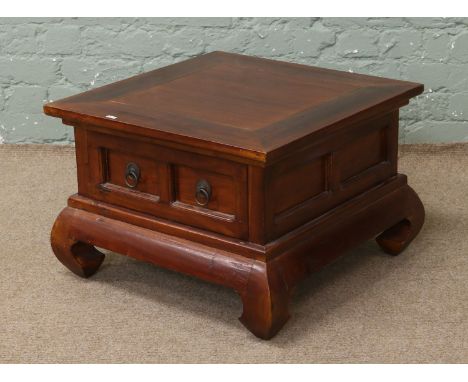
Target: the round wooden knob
(203, 192)
(132, 175)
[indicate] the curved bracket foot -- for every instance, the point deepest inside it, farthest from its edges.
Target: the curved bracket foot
(81, 258)
(396, 238)
(265, 301)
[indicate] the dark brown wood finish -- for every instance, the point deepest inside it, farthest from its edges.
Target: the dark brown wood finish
(227, 103)
(238, 170)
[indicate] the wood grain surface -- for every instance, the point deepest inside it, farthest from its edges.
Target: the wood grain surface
(295, 165)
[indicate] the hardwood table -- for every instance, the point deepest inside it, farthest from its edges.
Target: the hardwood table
(242, 171)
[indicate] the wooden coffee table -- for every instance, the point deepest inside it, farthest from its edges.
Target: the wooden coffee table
(241, 171)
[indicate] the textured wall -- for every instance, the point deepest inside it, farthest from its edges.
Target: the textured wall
(48, 59)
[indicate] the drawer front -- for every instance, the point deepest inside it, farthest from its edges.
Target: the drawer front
(199, 187)
(188, 188)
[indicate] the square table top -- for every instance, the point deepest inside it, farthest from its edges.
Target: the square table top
(239, 104)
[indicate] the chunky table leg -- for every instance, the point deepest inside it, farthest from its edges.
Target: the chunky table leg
(264, 283)
(81, 258)
(265, 301)
(396, 238)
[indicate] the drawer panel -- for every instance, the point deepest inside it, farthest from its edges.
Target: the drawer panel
(163, 182)
(223, 189)
(119, 162)
(118, 166)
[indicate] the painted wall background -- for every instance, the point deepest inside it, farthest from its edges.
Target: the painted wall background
(47, 59)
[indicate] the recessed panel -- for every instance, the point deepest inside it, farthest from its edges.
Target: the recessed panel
(362, 154)
(222, 189)
(294, 185)
(167, 183)
(238, 96)
(116, 164)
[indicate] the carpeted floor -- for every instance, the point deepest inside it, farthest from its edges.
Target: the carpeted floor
(366, 307)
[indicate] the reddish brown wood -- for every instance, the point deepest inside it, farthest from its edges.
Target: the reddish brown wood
(79, 257)
(264, 286)
(240, 105)
(300, 164)
(166, 177)
(344, 165)
(265, 300)
(396, 238)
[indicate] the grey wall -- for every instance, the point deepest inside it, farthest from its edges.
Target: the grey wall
(48, 59)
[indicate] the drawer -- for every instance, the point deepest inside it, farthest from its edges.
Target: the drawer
(188, 188)
(200, 187)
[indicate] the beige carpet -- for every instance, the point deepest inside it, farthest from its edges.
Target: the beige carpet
(367, 307)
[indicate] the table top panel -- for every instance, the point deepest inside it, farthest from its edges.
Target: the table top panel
(233, 102)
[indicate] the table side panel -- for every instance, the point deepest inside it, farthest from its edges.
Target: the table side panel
(312, 181)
